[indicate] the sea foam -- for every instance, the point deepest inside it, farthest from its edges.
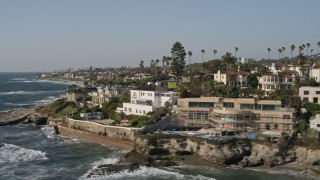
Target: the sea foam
(13, 153)
(148, 173)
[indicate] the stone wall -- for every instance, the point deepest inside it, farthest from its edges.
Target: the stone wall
(126, 133)
(95, 138)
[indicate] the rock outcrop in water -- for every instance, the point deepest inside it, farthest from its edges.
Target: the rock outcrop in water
(36, 118)
(130, 161)
(14, 116)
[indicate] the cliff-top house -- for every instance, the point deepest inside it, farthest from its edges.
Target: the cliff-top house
(148, 98)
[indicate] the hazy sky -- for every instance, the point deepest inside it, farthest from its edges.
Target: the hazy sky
(43, 35)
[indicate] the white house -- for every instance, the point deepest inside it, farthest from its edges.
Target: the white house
(232, 77)
(92, 116)
(148, 99)
(246, 60)
(315, 122)
(288, 68)
(315, 74)
(271, 82)
(309, 94)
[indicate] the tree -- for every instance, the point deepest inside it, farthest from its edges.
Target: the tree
(311, 50)
(229, 59)
(283, 49)
(303, 46)
(235, 51)
(189, 54)
(318, 46)
(141, 64)
(280, 51)
(308, 46)
(269, 49)
(292, 49)
(202, 52)
(214, 54)
(178, 59)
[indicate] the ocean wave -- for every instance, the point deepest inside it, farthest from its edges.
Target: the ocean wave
(12, 153)
(148, 172)
(26, 92)
(48, 131)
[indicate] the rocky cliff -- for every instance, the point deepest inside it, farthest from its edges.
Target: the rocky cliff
(230, 152)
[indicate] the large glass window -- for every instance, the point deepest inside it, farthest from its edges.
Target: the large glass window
(228, 104)
(247, 106)
(201, 104)
(270, 107)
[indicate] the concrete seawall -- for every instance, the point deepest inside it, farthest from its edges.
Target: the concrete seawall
(95, 138)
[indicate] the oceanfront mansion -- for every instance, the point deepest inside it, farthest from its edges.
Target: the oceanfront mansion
(234, 114)
(149, 98)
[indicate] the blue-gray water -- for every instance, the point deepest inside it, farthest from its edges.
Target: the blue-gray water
(30, 152)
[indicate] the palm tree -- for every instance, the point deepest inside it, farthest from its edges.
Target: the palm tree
(189, 54)
(303, 46)
(280, 51)
(141, 64)
(202, 51)
(214, 54)
(292, 49)
(163, 61)
(283, 49)
(318, 46)
(269, 49)
(308, 46)
(311, 50)
(235, 51)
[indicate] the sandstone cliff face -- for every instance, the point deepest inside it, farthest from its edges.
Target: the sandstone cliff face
(218, 154)
(271, 155)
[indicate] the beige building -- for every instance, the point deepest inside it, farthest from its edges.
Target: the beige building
(234, 114)
(309, 94)
(315, 122)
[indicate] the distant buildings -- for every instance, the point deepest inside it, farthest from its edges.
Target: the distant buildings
(246, 60)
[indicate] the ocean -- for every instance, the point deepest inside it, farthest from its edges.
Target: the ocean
(34, 152)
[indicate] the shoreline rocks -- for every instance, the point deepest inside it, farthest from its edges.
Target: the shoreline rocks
(14, 116)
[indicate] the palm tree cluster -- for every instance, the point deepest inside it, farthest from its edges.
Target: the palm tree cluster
(293, 47)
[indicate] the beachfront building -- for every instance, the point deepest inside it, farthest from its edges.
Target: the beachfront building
(148, 98)
(315, 122)
(104, 93)
(240, 78)
(74, 94)
(234, 114)
(309, 94)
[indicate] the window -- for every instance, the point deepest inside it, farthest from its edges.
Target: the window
(228, 105)
(286, 116)
(201, 104)
(317, 92)
(306, 92)
(275, 126)
(318, 125)
(267, 126)
(315, 100)
(246, 106)
(270, 107)
(125, 109)
(305, 100)
(130, 110)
